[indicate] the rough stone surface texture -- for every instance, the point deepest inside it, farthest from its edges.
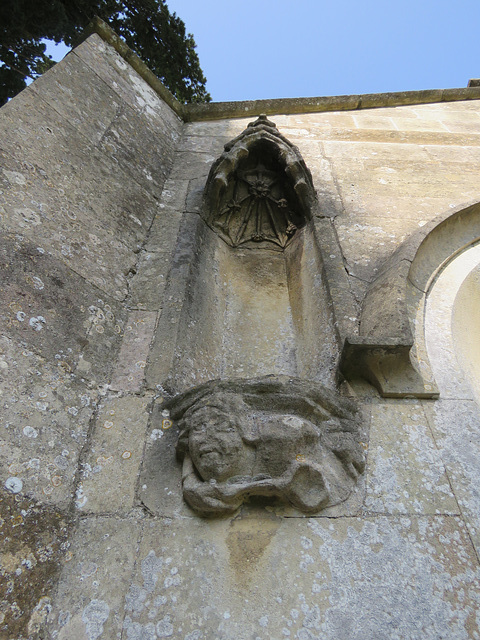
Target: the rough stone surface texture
(117, 297)
(75, 209)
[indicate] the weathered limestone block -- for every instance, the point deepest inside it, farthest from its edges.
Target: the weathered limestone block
(376, 237)
(406, 473)
(189, 165)
(139, 150)
(45, 420)
(194, 199)
(103, 341)
(147, 285)
(78, 97)
(389, 180)
(90, 599)
(160, 482)
(227, 128)
(44, 217)
(129, 371)
(74, 178)
(45, 304)
(210, 144)
(164, 345)
(90, 159)
(28, 122)
(456, 428)
(345, 308)
(109, 472)
(56, 313)
(164, 230)
(132, 90)
(312, 123)
(77, 228)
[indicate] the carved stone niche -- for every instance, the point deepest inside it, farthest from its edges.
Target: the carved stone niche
(276, 436)
(259, 192)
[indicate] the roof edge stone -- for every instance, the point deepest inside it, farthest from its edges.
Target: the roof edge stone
(278, 106)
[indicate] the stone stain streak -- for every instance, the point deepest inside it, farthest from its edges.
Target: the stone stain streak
(248, 539)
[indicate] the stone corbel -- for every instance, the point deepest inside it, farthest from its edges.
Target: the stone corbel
(387, 366)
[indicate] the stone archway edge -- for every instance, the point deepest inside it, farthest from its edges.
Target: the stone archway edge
(381, 351)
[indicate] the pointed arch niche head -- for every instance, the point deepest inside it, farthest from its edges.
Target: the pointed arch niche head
(259, 192)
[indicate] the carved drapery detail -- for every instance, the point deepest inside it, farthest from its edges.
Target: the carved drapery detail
(259, 190)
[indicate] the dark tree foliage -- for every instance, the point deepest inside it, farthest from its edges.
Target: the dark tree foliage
(157, 36)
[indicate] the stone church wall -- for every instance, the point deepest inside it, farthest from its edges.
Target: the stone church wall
(75, 211)
(101, 197)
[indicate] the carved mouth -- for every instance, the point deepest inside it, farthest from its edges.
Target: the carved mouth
(207, 450)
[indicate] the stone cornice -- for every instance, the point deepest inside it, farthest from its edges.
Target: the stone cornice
(249, 108)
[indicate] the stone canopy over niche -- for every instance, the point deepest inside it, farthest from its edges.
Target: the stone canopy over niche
(259, 191)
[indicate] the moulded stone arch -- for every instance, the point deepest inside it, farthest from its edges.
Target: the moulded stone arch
(452, 326)
(382, 352)
(278, 184)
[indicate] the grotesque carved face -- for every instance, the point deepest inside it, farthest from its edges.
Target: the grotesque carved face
(215, 444)
(274, 437)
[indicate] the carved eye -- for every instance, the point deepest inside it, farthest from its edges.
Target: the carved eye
(226, 428)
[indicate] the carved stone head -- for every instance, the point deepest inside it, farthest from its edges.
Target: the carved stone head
(214, 437)
(275, 436)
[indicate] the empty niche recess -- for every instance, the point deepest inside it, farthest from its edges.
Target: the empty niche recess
(256, 301)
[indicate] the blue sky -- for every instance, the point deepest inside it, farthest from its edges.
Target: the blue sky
(257, 49)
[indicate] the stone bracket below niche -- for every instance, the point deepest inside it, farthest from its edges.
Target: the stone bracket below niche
(387, 366)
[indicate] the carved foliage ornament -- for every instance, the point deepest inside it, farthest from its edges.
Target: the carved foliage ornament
(275, 436)
(259, 190)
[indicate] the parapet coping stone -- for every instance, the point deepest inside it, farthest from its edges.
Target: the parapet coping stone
(278, 106)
